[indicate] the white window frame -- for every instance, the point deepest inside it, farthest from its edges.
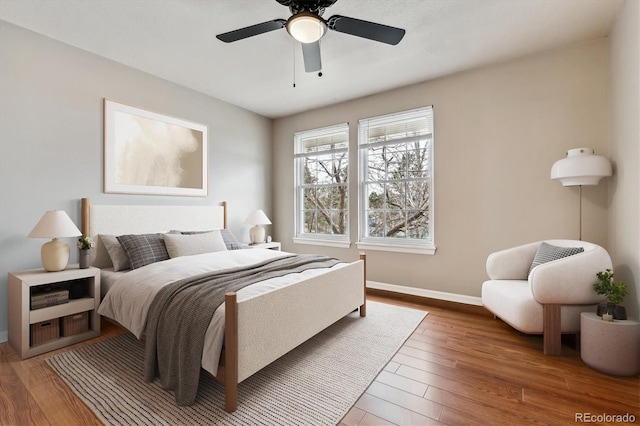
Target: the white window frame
(403, 245)
(300, 237)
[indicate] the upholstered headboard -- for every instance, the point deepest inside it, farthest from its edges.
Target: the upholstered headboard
(136, 219)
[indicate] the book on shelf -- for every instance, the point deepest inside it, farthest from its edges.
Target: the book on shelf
(51, 298)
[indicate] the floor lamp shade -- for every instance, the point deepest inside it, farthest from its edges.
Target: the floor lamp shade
(257, 218)
(581, 167)
(55, 253)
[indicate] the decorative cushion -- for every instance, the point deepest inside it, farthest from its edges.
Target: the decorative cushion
(230, 240)
(118, 256)
(143, 249)
(547, 253)
(189, 244)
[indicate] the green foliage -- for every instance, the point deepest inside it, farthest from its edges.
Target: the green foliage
(614, 292)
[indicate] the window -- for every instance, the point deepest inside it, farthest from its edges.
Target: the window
(396, 182)
(322, 186)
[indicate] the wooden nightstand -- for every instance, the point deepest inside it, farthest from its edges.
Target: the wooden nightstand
(33, 331)
(271, 246)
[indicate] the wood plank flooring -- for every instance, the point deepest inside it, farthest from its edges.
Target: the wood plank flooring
(459, 367)
(462, 368)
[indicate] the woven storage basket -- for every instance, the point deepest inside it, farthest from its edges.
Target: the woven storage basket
(45, 331)
(75, 324)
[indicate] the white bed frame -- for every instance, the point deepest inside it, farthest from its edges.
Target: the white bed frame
(258, 330)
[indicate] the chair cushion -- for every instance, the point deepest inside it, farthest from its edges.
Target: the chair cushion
(512, 302)
(547, 253)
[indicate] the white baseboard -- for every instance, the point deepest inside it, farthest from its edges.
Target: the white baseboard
(432, 294)
(4, 336)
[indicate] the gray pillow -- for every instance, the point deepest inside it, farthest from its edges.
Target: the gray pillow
(547, 253)
(102, 259)
(143, 249)
(117, 254)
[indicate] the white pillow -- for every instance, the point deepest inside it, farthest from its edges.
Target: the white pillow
(186, 245)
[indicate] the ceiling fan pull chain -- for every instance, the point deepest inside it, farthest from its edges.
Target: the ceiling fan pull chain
(294, 66)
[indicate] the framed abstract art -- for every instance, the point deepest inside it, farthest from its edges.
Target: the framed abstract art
(150, 153)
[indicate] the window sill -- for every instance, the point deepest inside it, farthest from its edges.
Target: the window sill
(397, 248)
(320, 242)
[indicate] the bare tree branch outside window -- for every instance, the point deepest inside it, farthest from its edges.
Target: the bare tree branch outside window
(322, 158)
(397, 179)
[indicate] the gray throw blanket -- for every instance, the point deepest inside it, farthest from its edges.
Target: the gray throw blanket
(180, 314)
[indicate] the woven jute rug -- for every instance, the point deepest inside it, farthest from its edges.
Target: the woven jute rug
(314, 384)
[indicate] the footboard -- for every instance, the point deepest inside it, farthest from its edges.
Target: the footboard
(269, 326)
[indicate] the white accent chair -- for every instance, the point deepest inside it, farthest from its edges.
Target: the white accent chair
(548, 300)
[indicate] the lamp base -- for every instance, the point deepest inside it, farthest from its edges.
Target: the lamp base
(54, 255)
(256, 233)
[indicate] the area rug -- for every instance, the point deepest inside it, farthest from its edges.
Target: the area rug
(314, 384)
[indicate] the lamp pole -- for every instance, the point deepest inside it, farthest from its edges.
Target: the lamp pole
(580, 212)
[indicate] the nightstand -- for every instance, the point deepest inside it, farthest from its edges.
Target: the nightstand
(271, 246)
(35, 331)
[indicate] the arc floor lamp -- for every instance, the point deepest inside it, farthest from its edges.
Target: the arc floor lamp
(581, 167)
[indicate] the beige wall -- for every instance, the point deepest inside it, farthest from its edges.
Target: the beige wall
(624, 214)
(498, 130)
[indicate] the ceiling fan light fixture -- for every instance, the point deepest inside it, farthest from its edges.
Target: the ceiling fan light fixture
(306, 27)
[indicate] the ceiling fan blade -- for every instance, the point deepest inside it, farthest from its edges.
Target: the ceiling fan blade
(366, 29)
(311, 54)
(251, 31)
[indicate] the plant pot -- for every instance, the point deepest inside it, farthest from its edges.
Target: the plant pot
(84, 259)
(619, 312)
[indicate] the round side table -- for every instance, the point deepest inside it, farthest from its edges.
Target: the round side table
(610, 347)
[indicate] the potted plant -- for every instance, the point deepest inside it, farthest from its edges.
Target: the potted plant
(615, 294)
(84, 244)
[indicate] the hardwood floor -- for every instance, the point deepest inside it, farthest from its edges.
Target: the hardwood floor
(462, 368)
(458, 367)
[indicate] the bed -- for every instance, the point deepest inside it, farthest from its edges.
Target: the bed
(255, 325)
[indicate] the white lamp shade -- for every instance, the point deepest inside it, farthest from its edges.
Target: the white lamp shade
(55, 224)
(55, 253)
(581, 167)
(257, 218)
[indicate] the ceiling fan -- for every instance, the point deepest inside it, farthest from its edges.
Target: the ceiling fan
(307, 26)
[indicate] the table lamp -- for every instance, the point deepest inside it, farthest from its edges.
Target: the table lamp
(256, 233)
(55, 224)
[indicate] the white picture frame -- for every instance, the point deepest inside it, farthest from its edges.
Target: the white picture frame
(153, 154)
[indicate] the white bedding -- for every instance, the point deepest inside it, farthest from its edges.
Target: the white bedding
(131, 294)
(107, 277)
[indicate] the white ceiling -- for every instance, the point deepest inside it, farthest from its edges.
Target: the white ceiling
(175, 40)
